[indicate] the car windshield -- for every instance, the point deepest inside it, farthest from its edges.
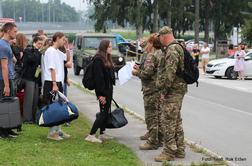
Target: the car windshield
(93, 42)
(231, 57)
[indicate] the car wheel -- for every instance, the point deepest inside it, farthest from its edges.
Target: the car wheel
(231, 74)
(77, 70)
(217, 77)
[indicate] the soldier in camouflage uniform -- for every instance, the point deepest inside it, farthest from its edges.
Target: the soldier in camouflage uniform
(147, 72)
(172, 90)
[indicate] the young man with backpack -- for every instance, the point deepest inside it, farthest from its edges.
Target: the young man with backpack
(172, 88)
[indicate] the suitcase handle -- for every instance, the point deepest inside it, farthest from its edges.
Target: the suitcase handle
(7, 99)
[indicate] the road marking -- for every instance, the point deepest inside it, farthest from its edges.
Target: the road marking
(226, 108)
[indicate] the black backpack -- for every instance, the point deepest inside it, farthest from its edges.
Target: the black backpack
(191, 71)
(88, 77)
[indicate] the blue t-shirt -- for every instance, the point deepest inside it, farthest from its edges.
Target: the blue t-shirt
(6, 52)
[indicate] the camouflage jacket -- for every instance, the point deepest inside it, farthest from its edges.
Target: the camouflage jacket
(167, 80)
(148, 72)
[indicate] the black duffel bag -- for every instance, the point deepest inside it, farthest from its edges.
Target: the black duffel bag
(116, 118)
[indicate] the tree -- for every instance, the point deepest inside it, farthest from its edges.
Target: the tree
(33, 10)
(197, 21)
(247, 27)
(225, 16)
(155, 16)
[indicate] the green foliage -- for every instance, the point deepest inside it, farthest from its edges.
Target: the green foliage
(247, 27)
(247, 31)
(33, 10)
(227, 15)
(224, 15)
(131, 34)
(70, 36)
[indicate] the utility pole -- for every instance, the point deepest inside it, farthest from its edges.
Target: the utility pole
(1, 11)
(42, 6)
(14, 10)
(24, 11)
(49, 11)
(53, 11)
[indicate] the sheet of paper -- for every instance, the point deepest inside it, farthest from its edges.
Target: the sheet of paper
(125, 73)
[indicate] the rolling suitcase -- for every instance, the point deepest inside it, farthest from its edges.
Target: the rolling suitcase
(10, 113)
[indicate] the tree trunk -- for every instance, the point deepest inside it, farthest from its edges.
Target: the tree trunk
(169, 14)
(155, 17)
(139, 20)
(196, 25)
(207, 21)
(139, 31)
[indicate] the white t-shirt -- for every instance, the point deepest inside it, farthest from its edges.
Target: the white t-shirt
(53, 59)
(203, 49)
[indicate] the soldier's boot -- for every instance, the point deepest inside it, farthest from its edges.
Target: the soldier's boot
(145, 136)
(180, 154)
(160, 144)
(148, 146)
(164, 157)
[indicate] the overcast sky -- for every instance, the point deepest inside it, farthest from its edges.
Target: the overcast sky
(78, 4)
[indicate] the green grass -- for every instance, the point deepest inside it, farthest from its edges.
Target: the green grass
(33, 148)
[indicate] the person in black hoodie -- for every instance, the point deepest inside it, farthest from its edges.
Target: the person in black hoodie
(104, 80)
(32, 78)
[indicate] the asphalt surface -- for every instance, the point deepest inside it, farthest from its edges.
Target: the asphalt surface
(216, 115)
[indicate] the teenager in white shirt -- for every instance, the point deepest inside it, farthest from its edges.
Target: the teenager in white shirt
(205, 51)
(53, 75)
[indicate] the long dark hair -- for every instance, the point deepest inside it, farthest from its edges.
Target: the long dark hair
(102, 52)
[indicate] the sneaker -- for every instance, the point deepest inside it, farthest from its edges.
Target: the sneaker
(160, 144)
(10, 132)
(64, 135)
(145, 136)
(105, 137)
(67, 124)
(163, 157)
(7, 136)
(92, 138)
(147, 146)
(55, 136)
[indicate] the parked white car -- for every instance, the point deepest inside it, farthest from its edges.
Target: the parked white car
(224, 67)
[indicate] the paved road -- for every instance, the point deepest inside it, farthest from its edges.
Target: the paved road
(217, 114)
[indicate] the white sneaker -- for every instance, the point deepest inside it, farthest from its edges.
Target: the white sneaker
(105, 137)
(92, 138)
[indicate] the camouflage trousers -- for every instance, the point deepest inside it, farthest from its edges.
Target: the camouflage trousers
(172, 124)
(152, 118)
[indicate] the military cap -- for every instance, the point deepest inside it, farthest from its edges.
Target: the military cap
(165, 30)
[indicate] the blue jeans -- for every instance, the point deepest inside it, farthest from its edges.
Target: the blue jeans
(65, 89)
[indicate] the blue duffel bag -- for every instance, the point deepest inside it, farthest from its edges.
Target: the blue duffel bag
(57, 113)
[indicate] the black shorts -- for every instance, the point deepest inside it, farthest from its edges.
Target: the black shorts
(48, 86)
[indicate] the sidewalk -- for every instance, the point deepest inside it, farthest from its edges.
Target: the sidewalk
(128, 135)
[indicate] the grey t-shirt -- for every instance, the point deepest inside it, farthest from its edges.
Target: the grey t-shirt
(6, 53)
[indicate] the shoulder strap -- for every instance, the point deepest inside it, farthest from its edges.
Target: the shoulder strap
(115, 103)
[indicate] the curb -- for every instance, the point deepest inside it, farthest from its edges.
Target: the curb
(190, 143)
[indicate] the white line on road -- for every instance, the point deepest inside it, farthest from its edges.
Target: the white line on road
(226, 108)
